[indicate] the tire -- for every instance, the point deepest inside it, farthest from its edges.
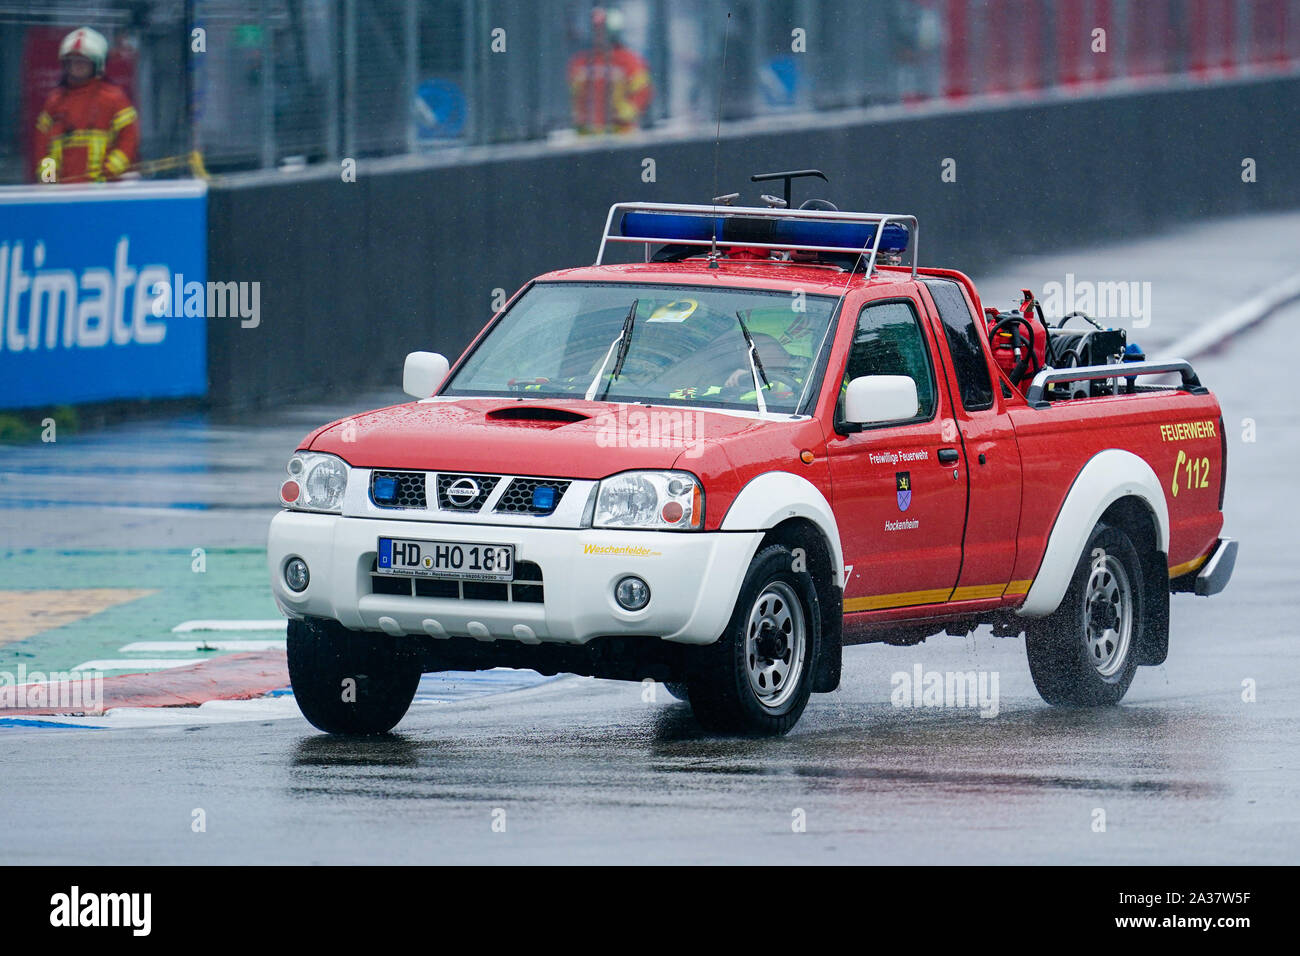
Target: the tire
(756, 678)
(1084, 654)
(677, 690)
(324, 654)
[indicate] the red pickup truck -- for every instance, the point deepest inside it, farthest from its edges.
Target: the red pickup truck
(719, 466)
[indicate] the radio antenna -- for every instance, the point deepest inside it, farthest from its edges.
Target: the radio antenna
(717, 143)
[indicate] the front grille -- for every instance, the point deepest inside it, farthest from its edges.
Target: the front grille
(527, 588)
(398, 489)
(465, 492)
(485, 484)
(522, 496)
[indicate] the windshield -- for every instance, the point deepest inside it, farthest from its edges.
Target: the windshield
(679, 345)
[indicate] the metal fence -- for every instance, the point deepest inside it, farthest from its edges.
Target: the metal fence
(263, 83)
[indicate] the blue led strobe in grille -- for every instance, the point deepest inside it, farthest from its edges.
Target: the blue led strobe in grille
(398, 489)
(536, 496)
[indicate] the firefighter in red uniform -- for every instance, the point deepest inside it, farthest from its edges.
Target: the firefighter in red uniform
(609, 84)
(88, 130)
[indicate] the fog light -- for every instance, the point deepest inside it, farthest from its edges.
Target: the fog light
(296, 576)
(631, 593)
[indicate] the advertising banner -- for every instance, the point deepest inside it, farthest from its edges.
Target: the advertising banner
(86, 282)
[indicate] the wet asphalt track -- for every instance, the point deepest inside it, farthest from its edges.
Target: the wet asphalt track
(587, 771)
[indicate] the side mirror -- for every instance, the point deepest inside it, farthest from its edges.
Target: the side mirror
(874, 399)
(423, 373)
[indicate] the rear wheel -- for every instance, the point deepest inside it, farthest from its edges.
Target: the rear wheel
(756, 678)
(350, 682)
(1085, 653)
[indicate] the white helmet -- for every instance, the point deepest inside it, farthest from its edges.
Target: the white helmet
(88, 43)
(614, 25)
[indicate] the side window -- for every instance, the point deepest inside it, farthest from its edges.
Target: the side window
(963, 344)
(888, 341)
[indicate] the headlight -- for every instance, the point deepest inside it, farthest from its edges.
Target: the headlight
(658, 500)
(316, 482)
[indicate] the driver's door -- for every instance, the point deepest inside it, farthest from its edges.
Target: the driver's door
(899, 490)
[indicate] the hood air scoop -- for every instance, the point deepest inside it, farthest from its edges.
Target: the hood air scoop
(541, 416)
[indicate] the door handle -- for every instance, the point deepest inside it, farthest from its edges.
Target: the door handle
(947, 456)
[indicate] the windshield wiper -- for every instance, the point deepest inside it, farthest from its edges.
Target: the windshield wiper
(755, 365)
(622, 343)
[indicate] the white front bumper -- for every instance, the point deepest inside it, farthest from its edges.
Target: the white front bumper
(694, 579)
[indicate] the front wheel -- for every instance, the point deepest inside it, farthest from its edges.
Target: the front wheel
(350, 682)
(678, 690)
(756, 678)
(1084, 654)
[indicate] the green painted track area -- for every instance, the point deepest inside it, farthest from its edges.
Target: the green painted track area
(232, 585)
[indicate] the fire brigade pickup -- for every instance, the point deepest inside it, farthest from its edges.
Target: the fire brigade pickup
(774, 437)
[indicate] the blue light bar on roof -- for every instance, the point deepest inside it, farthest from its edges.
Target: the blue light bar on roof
(849, 236)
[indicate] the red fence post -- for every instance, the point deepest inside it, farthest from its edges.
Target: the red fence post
(1103, 64)
(1211, 32)
(1198, 29)
(1148, 37)
(956, 61)
(1268, 32)
(1070, 42)
(1031, 47)
(1227, 10)
(1000, 48)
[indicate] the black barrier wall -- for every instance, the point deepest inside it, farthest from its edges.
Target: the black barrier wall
(356, 274)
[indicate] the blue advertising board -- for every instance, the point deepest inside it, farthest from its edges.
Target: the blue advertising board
(85, 273)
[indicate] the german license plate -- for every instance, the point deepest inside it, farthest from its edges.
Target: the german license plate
(457, 560)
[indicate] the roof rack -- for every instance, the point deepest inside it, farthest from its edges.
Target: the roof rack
(1090, 373)
(762, 228)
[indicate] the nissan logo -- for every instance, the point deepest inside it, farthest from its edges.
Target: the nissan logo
(462, 492)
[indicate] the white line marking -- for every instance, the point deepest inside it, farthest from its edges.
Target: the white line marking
(209, 712)
(140, 665)
(101, 192)
(283, 706)
(155, 647)
(1251, 311)
(279, 624)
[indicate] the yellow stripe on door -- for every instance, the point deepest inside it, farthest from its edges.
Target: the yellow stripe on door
(875, 602)
(976, 592)
(972, 592)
